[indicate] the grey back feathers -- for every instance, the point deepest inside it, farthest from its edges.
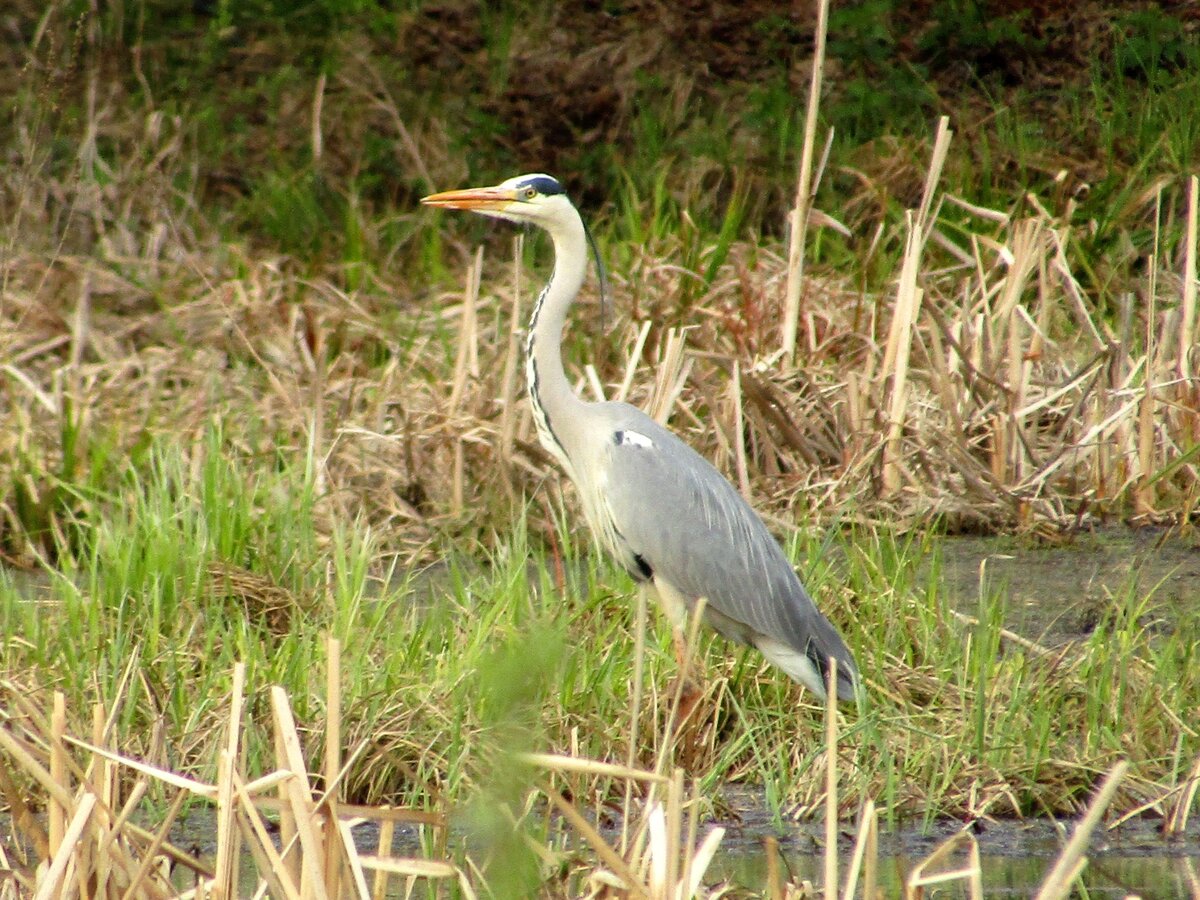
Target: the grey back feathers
(671, 517)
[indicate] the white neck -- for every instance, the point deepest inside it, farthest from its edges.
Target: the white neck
(555, 405)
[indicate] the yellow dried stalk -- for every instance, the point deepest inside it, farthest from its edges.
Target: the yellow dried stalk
(1177, 818)
(928, 872)
(865, 851)
(804, 190)
(831, 785)
(1187, 312)
(1072, 861)
(101, 854)
(904, 315)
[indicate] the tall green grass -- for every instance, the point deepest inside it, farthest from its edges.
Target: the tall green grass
(449, 670)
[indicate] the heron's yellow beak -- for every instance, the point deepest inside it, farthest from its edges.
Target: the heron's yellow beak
(472, 198)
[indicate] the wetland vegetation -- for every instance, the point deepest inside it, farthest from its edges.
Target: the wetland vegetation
(252, 395)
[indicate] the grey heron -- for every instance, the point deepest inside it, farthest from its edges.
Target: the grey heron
(662, 510)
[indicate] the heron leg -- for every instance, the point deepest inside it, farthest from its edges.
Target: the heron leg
(677, 609)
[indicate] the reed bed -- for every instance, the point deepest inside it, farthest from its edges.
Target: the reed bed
(997, 402)
(288, 833)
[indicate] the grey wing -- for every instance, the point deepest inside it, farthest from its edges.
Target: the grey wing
(684, 522)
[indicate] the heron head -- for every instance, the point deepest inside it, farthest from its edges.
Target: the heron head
(534, 198)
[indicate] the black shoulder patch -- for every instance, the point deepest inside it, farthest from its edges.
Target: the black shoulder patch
(643, 567)
(544, 185)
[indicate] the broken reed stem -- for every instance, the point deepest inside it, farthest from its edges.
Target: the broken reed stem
(333, 761)
(58, 772)
(739, 443)
(1071, 861)
(671, 376)
(929, 872)
(225, 878)
(1177, 819)
(287, 820)
(101, 853)
(864, 848)
(674, 820)
(635, 712)
(387, 831)
(587, 831)
(1187, 312)
(49, 887)
(907, 308)
(1143, 502)
(804, 191)
(831, 798)
(276, 868)
(299, 795)
(631, 364)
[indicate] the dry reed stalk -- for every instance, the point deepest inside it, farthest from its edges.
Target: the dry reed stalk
(907, 307)
(192, 785)
(224, 880)
(739, 443)
(831, 786)
(1193, 878)
(22, 816)
(1187, 312)
(677, 716)
(143, 879)
(1072, 861)
(63, 856)
(1177, 816)
(775, 888)
(1026, 244)
(576, 764)
(58, 810)
(1143, 501)
(299, 795)
(355, 863)
(632, 361)
(804, 191)
(661, 862)
(923, 874)
(333, 759)
(635, 710)
(316, 137)
(89, 859)
(466, 363)
(595, 840)
(271, 865)
(592, 378)
(865, 849)
(671, 376)
(459, 478)
(409, 868)
(387, 831)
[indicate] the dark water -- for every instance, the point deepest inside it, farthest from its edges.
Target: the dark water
(1015, 856)
(1059, 589)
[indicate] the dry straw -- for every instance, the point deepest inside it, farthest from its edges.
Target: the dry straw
(92, 848)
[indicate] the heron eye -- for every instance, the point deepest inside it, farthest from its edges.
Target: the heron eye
(529, 193)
